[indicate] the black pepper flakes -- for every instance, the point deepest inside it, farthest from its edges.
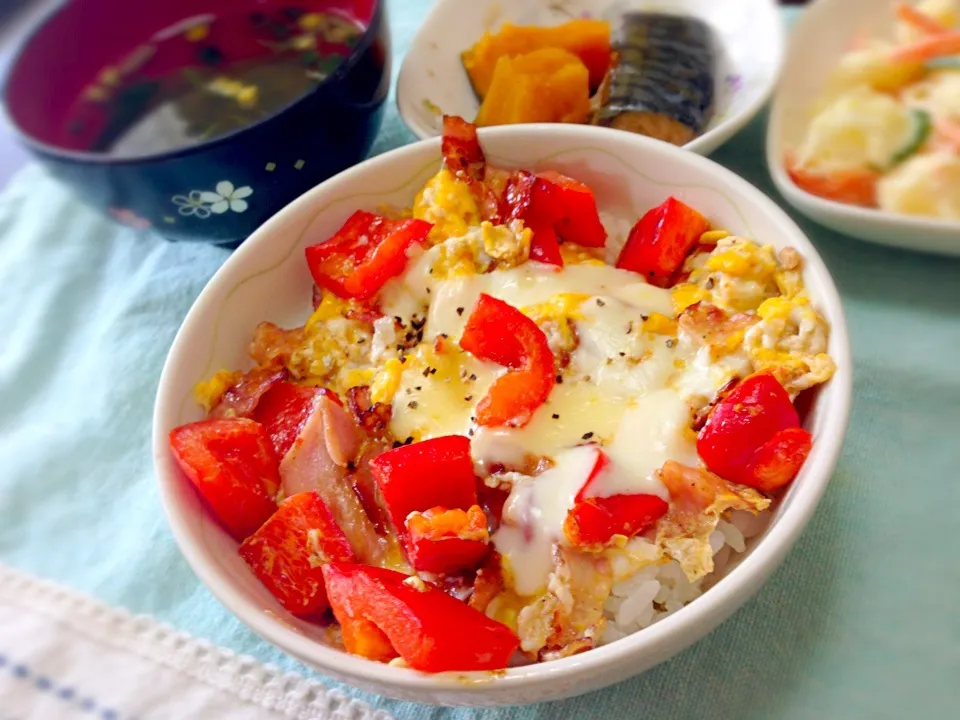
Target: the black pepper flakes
(470, 432)
(412, 404)
(555, 416)
(629, 327)
(559, 379)
(351, 466)
(472, 376)
(709, 284)
(622, 353)
(468, 398)
(433, 371)
(418, 387)
(408, 441)
(600, 303)
(671, 342)
(396, 444)
(426, 372)
(361, 341)
(587, 435)
(459, 311)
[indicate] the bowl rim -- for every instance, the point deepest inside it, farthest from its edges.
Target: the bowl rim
(687, 624)
(816, 14)
(378, 21)
(703, 144)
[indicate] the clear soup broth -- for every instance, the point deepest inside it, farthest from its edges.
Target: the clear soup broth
(206, 77)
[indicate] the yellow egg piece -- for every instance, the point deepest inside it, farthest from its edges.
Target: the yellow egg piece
(447, 203)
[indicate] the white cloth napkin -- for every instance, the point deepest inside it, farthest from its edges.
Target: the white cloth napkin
(64, 655)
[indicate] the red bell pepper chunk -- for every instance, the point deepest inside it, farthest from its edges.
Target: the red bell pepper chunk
(544, 244)
(445, 541)
(461, 148)
(432, 473)
(554, 207)
(232, 465)
(500, 333)
(579, 220)
(661, 240)
(524, 199)
(286, 553)
(432, 631)
(742, 424)
(283, 410)
(778, 461)
(363, 254)
(595, 520)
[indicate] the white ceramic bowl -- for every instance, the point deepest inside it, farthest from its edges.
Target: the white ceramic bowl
(432, 79)
(266, 279)
(822, 34)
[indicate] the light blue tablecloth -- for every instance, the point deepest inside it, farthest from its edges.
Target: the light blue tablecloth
(861, 621)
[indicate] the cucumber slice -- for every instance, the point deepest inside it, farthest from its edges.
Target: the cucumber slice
(949, 62)
(921, 124)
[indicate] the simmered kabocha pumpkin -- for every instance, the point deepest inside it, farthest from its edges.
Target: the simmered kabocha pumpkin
(548, 85)
(589, 40)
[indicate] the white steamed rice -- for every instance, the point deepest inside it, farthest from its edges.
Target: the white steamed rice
(658, 590)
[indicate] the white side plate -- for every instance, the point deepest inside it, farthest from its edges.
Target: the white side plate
(433, 82)
(821, 36)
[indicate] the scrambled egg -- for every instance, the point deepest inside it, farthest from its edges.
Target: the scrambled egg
(447, 203)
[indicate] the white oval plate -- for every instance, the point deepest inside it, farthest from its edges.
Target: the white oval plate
(433, 82)
(828, 26)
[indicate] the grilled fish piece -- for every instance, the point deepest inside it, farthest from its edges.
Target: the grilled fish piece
(661, 82)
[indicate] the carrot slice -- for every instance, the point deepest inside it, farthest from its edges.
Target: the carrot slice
(853, 187)
(948, 131)
(930, 47)
(907, 13)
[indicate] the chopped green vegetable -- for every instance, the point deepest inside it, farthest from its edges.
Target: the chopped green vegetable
(920, 131)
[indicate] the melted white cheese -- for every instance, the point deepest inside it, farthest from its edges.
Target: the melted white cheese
(533, 519)
(629, 390)
(452, 299)
(654, 430)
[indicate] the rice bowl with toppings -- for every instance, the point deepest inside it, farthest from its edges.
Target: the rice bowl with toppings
(532, 416)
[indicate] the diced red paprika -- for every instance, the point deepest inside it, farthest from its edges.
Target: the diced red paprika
(544, 243)
(363, 254)
(778, 460)
(579, 220)
(231, 463)
(432, 631)
(735, 442)
(500, 333)
(431, 473)
(554, 207)
(461, 148)
(595, 520)
(523, 199)
(283, 410)
(445, 541)
(287, 551)
(661, 240)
